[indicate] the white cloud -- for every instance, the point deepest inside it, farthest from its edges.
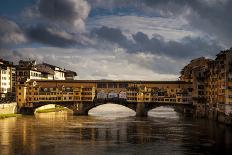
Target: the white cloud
(93, 64)
(169, 28)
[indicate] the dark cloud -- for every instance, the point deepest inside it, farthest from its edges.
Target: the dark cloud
(59, 23)
(111, 34)
(71, 12)
(11, 33)
(50, 36)
(211, 17)
(186, 48)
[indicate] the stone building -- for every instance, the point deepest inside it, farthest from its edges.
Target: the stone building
(212, 83)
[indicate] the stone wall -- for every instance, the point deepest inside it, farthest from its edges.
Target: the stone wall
(9, 108)
(212, 114)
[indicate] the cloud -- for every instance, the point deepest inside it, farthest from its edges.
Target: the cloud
(71, 12)
(112, 35)
(187, 47)
(169, 28)
(209, 17)
(11, 33)
(50, 36)
(91, 63)
(59, 23)
(16, 55)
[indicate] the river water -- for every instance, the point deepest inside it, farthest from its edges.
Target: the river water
(113, 130)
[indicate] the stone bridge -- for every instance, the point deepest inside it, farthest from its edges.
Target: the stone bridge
(82, 96)
(82, 108)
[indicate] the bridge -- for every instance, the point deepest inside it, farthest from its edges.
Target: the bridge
(82, 95)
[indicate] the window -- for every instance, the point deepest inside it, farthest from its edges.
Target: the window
(200, 86)
(123, 85)
(190, 89)
(101, 85)
(112, 85)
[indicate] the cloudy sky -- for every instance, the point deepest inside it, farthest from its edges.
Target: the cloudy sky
(115, 39)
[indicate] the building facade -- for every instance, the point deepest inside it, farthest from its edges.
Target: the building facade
(211, 82)
(6, 78)
(58, 73)
(70, 75)
(29, 70)
(37, 91)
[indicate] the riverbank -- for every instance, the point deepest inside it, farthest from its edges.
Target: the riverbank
(203, 111)
(8, 108)
(2, 116)
(56, 109)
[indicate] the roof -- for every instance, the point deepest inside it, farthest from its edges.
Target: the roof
(6, 63)
(113, 81)
(70, 72)
(52, 66)
(45, 69)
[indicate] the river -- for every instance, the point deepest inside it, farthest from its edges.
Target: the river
(113, 130)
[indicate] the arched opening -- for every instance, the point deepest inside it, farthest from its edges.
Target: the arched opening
(51, 108)
(163, 112)
(111, 111)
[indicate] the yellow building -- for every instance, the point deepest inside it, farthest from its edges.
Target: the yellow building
(53, 91)
(211, 82)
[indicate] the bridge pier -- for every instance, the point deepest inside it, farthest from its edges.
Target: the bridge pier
(81, 109)
(141, 110)
(27, 111)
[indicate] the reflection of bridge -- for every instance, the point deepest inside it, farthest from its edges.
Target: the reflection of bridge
(81, 96)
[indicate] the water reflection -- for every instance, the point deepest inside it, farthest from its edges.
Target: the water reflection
(104, 132)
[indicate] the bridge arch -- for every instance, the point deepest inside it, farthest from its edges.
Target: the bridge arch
(111, 110)
(164, 112)
(180, 108)
(31, 110)
(99, 102)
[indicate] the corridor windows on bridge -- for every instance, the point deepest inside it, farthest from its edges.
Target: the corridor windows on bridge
(112, 85)
(161, 93)
(87, 89)
(123, 85)
(68, 89)
(101, 85)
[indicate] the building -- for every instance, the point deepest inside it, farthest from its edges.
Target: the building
(6, 76)
(212, 82)
(222, 72)
(47, 73)
(54, 91)
(27, 70)
(70, 75)
(14, 80)
(58, 73)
